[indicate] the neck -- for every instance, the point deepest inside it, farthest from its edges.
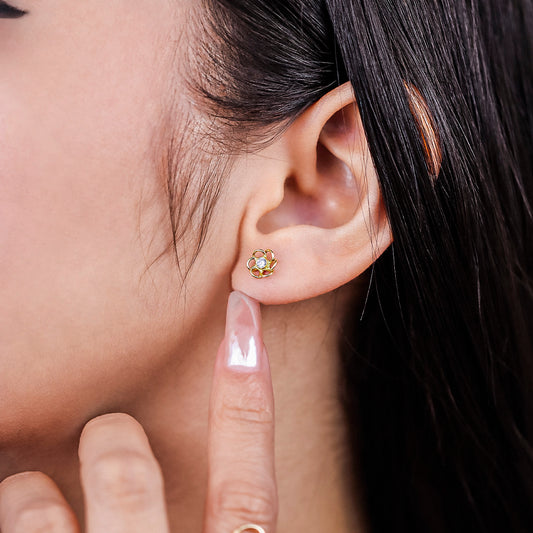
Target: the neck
(314, 469)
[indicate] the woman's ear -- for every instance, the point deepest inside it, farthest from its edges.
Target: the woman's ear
(315, 201)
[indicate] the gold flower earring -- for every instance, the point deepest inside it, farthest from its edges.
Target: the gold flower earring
(262, 263)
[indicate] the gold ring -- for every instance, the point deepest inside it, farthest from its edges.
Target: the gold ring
(262, 263)
(249, 527)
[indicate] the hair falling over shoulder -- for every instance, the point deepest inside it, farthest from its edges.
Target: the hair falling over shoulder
(438, 366)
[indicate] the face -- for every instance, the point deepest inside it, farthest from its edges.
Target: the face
(83, 209)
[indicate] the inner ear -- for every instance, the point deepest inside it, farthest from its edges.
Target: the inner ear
(323, 190)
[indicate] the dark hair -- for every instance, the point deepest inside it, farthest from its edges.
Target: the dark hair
(438, 366)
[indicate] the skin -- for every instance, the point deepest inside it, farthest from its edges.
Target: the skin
(95, 317)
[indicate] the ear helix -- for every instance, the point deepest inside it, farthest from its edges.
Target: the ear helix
(262, 263)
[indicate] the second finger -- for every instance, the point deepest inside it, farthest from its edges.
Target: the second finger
(121, 478)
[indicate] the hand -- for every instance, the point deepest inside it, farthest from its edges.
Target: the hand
(122, 481)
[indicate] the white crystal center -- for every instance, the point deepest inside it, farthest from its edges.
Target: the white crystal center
(261, 262)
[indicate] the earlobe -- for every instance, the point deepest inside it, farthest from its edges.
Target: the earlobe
(316, 204)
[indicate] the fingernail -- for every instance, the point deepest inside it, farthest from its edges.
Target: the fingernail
(243, 332)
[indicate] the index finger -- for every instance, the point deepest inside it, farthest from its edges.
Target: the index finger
(241, 482)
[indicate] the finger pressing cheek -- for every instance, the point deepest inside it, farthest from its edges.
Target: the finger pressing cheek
(121, 478)
(32, 503)
(242, 486)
